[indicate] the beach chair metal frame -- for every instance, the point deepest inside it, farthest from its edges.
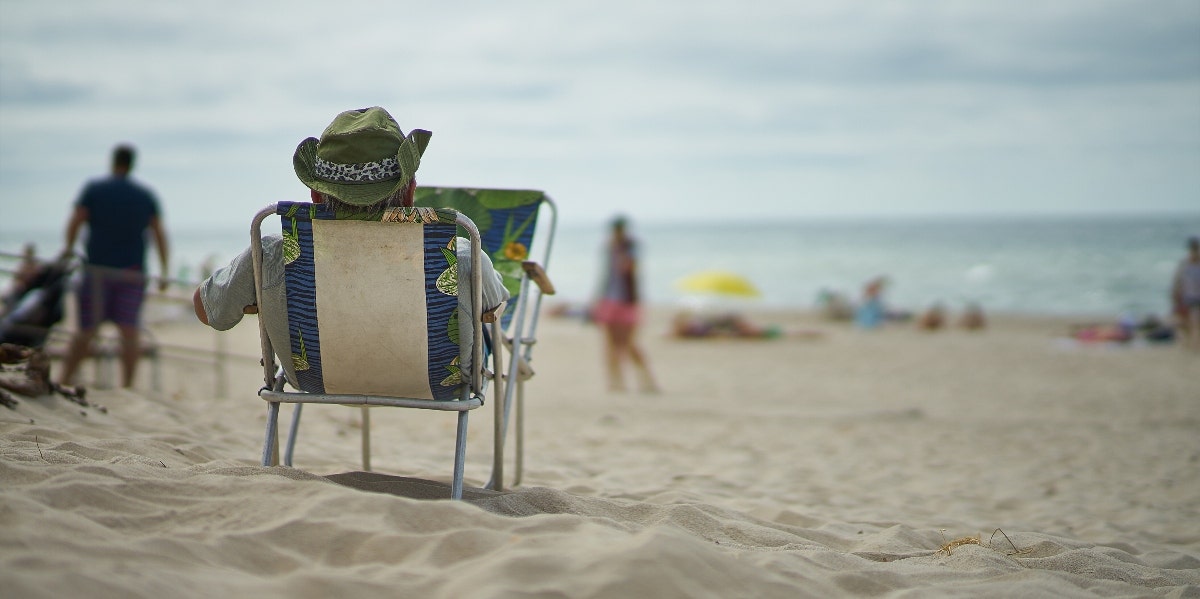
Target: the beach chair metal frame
(521, 322)
(469, 395)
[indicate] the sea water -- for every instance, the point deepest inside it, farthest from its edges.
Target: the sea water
(1102, 266)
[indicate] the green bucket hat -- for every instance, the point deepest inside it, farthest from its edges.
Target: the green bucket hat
(362, 157)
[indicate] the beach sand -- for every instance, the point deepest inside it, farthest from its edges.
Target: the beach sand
(891, 463)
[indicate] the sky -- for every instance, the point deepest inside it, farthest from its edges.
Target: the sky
(669, 110)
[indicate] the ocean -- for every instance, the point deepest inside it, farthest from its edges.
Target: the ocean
(1086, 266)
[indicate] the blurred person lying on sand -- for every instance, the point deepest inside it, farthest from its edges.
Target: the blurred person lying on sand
(936, 318)
(932, 319)
(362, 161)
(834, 305)
(687, 324)
(972, 318)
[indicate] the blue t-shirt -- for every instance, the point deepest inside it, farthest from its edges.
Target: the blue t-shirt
(119, 211)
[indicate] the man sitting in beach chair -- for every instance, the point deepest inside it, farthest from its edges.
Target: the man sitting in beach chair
(363, 164)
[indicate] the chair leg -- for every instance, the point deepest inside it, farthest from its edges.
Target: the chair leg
(460, 457)
(270, 447)
(497, 481)
(503, 411)
(497, 478)
(519, 467)
(292, 432)
(366, 438)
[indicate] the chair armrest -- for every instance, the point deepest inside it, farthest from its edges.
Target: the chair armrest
(489, 316)
(539, 276)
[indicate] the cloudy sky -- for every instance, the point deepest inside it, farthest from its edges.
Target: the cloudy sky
(702, 109)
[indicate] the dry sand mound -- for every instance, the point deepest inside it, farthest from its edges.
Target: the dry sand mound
(850, 465)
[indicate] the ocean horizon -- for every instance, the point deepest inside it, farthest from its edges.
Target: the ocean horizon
(1091, 265)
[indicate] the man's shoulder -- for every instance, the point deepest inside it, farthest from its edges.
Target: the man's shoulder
(96, 184)
(140, 188)
(114, 186)
(272, 250)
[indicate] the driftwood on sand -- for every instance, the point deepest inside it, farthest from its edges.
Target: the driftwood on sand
(27, 372)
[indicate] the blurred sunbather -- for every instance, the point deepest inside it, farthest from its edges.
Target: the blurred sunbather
(933, 319)
(972, 319)
(690, 325)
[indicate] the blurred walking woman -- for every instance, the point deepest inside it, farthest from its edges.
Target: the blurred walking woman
(618, 311)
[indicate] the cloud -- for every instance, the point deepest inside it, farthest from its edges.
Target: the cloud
(862, 107)
(19, 86)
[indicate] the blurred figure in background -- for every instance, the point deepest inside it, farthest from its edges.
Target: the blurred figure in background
(870, 313)
(618, 310)
(118, 213)
(834, 305)
(25, 274)
(691, 325)
(1185, 295)
(972, 319)
(933, 319)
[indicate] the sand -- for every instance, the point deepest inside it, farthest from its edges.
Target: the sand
(797, 467)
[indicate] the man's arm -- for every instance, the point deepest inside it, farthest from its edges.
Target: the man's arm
(160, 242)
(494, 291)
(229, 292)
(198, 306)
(79, 216)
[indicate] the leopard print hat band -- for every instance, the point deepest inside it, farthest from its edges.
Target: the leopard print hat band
(362, 172)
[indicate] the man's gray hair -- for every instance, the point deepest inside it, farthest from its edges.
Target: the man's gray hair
(392, 201)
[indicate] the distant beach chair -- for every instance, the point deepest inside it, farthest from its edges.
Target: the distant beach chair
(372, 307)
(36, 302)
(507, 220)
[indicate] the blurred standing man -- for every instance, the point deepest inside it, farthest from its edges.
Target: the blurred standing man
(118, 212)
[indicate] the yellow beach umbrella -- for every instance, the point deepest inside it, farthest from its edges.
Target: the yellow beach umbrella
(718, 282)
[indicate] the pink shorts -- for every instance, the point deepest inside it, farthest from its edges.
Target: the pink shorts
(614, 312)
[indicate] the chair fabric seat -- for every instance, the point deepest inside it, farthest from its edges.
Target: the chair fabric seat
(390, 293)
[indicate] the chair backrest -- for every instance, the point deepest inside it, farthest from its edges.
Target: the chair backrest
(372, 300)
(507, 219)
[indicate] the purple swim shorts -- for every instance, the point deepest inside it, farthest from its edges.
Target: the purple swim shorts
(111, 294)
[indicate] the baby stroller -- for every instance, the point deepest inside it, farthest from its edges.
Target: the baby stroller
(36, 304)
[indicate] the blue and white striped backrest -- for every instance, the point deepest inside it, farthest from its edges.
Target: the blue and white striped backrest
(372, 301)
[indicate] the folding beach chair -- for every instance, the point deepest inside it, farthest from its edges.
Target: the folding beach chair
(372, 310)
(29, 313)
(507, 220)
